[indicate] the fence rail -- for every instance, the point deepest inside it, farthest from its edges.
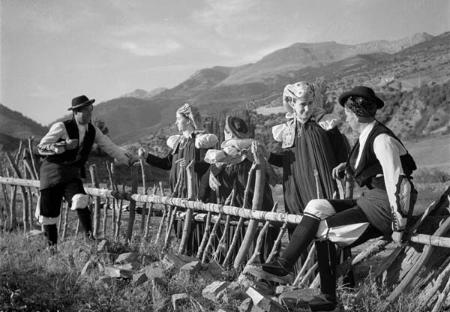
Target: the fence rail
(178, 202)
(216, 208)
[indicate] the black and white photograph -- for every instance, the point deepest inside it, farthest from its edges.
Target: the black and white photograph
(225, 155)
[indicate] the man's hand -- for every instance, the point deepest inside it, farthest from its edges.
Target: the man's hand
(59, 147)
(338, 171)
(397, 237)
(71, 144)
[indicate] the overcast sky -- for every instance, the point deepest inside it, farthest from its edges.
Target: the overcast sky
(54, 50)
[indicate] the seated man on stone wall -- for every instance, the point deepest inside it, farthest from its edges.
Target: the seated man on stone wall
(378, 161)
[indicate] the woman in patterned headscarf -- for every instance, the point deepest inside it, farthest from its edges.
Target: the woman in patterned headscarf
(311, 143)
(313, 146)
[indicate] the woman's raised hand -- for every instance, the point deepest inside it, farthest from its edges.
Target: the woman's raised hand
(142, 153)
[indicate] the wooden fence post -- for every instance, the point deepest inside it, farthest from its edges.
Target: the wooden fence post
(163, 218)
(65, 216)
(16, 170)
(132, 213)
(96, 218)
(144, 188)
(188, 217)
(149, 215)
(260, 179)
(33, 161)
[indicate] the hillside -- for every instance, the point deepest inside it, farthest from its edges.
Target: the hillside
(143, 94)
(393, 68)
(8, 143)
(227, 88)
(14, 124)
(301, 55)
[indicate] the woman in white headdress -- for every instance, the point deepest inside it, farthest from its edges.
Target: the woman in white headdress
(189, 145)
(312, 146)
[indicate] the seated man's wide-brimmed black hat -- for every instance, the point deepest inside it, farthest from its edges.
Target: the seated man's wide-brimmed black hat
(365, 92)
(81, 101)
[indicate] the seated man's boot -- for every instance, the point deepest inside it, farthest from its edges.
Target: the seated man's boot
(326, 258)
(304, 233)
(277, 267)
(322, 303)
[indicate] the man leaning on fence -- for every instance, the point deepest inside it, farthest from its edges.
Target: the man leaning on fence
(378, 161)
(65, 149)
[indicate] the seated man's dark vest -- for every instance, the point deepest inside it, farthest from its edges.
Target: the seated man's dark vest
(69, 165)
(369, 166)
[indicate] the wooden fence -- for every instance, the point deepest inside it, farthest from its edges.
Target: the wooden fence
(223, 238)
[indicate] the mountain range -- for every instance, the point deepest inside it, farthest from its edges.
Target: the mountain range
(395, 69)
(14, 126)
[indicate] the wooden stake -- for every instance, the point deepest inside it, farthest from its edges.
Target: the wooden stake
(65, 213)
(16, 170)
(105, 216)
(308, 275)
(144, 188)
(211, 238)
(258, 194)
(309, 260)
(119, 217)
(132, 214)
(426, 253)
(277, 243)
(110, 170)
(171, 218)
(188, 217)
(206, 235)
(260, 239)
(234, 241)
(442, 297)
(18, 153)
(163, 218)
(94, 180)
(149, 215)
(33, 161)
(426, 295)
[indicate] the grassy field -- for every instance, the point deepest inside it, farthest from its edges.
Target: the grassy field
(431, 153)
(31, 279)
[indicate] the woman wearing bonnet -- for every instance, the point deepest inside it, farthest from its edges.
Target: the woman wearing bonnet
(312, 147)
(190, 145)
(230, 167)
(311, 142)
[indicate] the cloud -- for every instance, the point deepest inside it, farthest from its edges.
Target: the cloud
(42, 92)
(228, 17)
(154, 48)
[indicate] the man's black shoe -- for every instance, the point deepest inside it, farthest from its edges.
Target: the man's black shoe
(276, 268)
(322, 303)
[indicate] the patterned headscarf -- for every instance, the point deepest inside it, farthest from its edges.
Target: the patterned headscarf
(302, 91)
(191, 113)
(305, 92)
